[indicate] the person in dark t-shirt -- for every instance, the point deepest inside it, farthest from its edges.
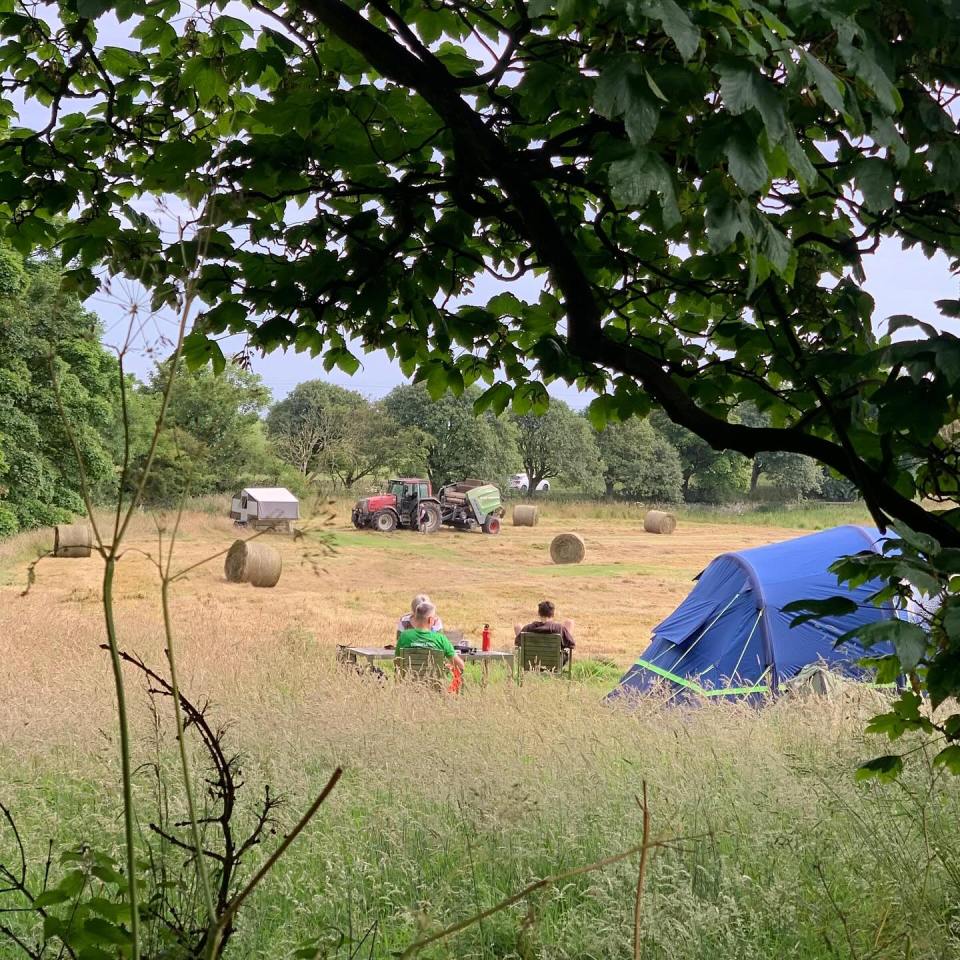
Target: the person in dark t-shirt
(546, 623)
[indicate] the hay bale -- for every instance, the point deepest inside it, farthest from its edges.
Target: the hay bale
(73, 540)
(255, 563)
(524, 515)
(656, 521)
(567, 548)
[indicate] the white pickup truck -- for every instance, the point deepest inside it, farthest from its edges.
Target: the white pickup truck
(521, 482)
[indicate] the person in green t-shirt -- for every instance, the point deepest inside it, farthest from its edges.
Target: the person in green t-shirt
(423, 633)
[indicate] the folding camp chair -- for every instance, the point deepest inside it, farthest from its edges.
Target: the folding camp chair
(543, 652)
(421, 663)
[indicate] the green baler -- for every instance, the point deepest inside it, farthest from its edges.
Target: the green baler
(471, 504)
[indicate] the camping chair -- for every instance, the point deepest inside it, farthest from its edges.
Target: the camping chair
(421, 663)
(544, 652)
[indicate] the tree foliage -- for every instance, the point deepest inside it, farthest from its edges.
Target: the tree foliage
(639, 462)
(323, 428)
(213, 439)
(455, 443)
(917, 577)
(48, 342)
(557, 444)
(707, 475)
(791, 475)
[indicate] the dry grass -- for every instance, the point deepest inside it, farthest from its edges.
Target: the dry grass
(234, 640)
(452, 803)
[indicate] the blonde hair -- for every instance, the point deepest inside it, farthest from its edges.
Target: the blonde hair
(417, 600)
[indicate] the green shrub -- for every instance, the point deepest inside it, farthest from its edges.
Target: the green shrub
(33, 513)
(9, 524)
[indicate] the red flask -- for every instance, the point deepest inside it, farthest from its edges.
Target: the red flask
(485, 638)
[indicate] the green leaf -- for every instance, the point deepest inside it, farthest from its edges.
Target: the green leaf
(831, 88)
(949, 757)
(943, 677)
(530, 398)
(909, 639)
(775, 246)
(884, 768)
(816, 609)
(437, 381)
(949, 308)
(622, 91)
(91, 9)
(494, 398)
(875, 181)
(654, 88)
(724, 223)
(50, 898)
(921, 542)
(198, 351)
(911, 648)
(601, 411)
(121, 62)
(743, 89)
(106, 932)
(676, 25)
(748, 166)
(900, 320)
(634, 179)
(863, 58)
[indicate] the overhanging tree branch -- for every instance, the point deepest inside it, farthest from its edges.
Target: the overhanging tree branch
(480, 150)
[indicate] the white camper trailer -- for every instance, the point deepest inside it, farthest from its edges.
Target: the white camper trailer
(265, 508)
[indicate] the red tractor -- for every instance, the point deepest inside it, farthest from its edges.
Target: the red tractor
(406, 503)
(410, 503)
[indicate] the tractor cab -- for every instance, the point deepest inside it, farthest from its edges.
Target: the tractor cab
(409, 493)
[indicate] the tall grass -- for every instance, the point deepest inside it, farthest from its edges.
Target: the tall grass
(450, 804)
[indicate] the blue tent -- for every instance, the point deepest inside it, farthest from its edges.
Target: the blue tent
(730, 636)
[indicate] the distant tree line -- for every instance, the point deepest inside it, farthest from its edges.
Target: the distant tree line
(222, 431)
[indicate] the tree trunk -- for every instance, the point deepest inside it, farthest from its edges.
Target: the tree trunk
(608, 483)
(755, 475)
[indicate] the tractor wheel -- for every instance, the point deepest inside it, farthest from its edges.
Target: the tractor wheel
(491, 525)
(385, 521)
(430, 518)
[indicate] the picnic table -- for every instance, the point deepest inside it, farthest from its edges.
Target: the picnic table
(370, 654)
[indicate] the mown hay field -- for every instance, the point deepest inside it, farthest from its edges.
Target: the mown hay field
(448, 805)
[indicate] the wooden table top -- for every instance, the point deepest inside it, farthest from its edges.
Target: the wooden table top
(388, 653)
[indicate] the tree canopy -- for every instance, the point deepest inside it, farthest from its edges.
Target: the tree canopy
(639, 462)
(453, 442)
(321, 427)
(558, 444)
(697, 189)
(50, 344)
(213, 439)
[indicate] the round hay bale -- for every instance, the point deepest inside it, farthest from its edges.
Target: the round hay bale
(524, 515)
(567, 548)
(73, 540)
(656, 521)
(254, 563)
